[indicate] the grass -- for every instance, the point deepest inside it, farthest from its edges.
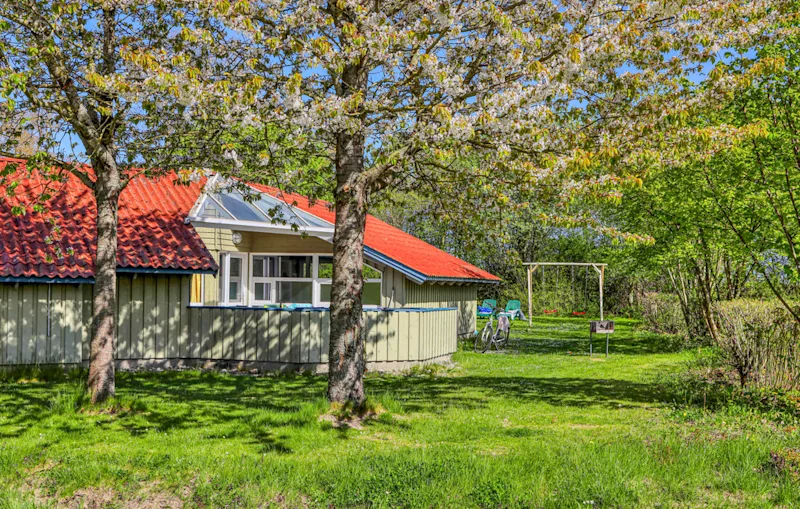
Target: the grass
(543, 425)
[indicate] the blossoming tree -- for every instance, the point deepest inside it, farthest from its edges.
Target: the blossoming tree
(112, 84)
(477, 98)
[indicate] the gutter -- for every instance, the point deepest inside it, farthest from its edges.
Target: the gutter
(90, 280)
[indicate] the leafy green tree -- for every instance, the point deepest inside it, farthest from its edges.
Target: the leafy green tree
(114, 85)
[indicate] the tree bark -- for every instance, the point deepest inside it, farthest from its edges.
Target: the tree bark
(347, 359)
(101, 363)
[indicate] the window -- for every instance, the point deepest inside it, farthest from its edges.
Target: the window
(298, 292)
(264, 279)
(285, 279)
(295, 266)
(232, 281)
(371, 294)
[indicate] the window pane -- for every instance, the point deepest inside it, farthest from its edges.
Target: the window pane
(325, 292)
(211, 210)
(262, 291)
(370, 273)
(233, 291)
(261, 266)
(371, 295)
(295, 266)
(241, 210)
(236, 267)
(297, 292)
(325, 267)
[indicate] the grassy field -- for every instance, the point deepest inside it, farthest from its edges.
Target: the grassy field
(540, 425)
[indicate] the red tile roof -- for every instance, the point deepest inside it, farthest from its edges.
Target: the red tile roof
(60, 242)
(152, 233)
(394, 243)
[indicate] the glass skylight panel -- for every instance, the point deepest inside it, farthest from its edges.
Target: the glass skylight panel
(241, 210)
(211, 209)
(231, 205)
(291, 215)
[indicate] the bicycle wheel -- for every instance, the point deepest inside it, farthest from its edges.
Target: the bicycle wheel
(482, 341)
(502, 339)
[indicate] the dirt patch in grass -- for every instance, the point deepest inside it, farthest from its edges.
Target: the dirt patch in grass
(351, 421)
(149, 497)
(348, 416)
(98, 498)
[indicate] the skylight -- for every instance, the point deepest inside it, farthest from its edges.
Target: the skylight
(225, 207)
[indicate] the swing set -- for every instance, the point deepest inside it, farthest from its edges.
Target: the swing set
(600, 268)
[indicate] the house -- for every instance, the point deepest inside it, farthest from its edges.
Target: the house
(206, 276)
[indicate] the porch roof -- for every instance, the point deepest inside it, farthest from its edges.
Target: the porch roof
(413, 257)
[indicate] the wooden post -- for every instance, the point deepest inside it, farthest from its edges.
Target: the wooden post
(602, 281)
(530, 296)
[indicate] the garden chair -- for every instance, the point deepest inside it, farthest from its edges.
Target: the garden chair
(514, 310)
(487, 308)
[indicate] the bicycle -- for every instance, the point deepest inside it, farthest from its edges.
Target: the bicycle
(489, 336)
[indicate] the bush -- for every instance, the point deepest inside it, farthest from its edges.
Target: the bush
(759, 339)
(662, 313)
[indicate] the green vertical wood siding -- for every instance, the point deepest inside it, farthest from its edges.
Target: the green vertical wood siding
(155, 322)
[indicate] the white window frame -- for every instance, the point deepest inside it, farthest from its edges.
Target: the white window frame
(251, 288)
(225, 268)
(318, 282)
(273, 280)
(314, 279)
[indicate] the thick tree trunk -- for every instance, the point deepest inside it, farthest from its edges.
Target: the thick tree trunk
(347, 359)
(104, 330)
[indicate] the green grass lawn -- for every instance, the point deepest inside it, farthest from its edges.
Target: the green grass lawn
(540, 425)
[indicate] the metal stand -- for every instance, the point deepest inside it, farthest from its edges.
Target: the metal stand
(599, 327)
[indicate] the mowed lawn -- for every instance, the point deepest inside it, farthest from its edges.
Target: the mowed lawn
(540, 425)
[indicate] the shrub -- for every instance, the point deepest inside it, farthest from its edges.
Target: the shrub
(661, 312)
(759, 339)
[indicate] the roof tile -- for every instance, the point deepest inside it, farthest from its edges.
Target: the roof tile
(61, 241)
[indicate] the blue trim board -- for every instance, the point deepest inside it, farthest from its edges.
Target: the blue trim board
(47, 280)
(90, 280)
(321, 309)
(146, 270)
(257, 308)
(416, 276)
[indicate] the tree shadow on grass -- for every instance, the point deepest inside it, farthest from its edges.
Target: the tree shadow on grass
(249, 407)
(256, 409)
(563, 335)
(436, 395)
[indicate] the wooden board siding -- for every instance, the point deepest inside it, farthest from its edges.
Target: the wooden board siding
(464, 297)
(24, 334)
(156, 323)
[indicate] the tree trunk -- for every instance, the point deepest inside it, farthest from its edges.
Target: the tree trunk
(104, 330)
(706, 301)
(347, 359)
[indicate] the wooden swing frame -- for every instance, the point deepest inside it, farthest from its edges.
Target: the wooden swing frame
(600, 268)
